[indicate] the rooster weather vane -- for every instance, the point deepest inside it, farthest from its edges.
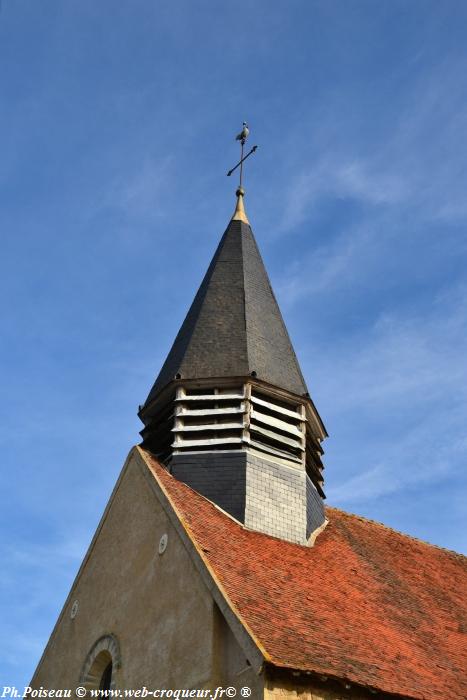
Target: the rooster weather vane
(242, 137)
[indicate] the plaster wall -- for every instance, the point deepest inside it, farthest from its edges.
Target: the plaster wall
(157, 606)
(230, 667)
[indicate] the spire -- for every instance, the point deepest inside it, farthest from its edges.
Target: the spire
(234, 327)
(229, 412)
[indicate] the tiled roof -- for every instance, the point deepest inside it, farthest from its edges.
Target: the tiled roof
(366, 603)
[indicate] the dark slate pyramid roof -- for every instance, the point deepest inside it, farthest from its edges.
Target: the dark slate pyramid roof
(234, 326)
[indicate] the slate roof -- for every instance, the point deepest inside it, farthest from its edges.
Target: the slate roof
(366, 604)
(234, 325)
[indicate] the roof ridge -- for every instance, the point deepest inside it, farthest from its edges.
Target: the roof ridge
(397, 532)
(290, 352)
(245, 313)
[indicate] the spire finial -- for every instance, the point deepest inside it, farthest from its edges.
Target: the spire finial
(239, 214)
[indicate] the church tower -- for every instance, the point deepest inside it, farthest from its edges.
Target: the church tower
(193, 583)
(229, 413)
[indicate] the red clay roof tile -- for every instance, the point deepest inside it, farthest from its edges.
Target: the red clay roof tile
(366, 603)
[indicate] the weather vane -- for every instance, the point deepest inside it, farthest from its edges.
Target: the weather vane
(242, 137)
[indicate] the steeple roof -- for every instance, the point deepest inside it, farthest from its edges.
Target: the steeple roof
(234, 326)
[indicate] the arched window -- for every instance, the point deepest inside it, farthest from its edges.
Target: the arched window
(106, 678)
(98, 671)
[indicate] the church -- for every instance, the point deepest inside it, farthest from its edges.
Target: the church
(217, 570)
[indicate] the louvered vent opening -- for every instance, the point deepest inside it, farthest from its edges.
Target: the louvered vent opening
(208, 419)
(157, 434)
(243, 417)
(277, 428)
(314, 464)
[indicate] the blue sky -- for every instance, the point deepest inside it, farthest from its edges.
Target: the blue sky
(117, 122)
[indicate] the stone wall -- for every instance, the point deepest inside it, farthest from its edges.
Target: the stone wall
(283, 686)
(156, 606)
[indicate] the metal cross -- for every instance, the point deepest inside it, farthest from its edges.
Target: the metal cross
(242, 137)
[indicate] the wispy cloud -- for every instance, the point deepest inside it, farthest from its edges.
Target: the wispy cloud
(351, 178)
(417, 354)
(330, 264)
(367, 485)
(417, 164)
(411, 367)
(405, 465)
